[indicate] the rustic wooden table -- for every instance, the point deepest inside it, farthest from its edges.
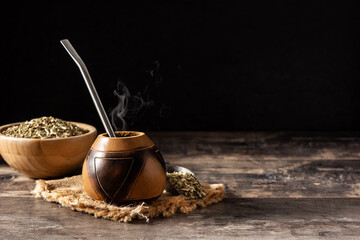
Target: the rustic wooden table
(278, 186)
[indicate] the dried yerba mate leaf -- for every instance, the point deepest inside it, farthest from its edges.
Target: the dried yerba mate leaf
(44, 127)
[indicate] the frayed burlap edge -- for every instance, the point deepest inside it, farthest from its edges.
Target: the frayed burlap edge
(69, 193)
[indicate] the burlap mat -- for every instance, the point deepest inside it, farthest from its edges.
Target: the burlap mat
(69, 192)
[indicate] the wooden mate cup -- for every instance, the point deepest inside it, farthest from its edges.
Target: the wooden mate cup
(126, 168)
(122, 166)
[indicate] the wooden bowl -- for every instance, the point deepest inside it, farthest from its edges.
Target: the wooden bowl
(126, 168)
(46, 158)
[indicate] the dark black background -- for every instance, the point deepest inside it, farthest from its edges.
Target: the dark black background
(229, 65)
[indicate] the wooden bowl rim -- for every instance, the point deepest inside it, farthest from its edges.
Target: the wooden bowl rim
(89, 127)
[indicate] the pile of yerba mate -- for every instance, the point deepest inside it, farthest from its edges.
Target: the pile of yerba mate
(44, 127)
(186, 184)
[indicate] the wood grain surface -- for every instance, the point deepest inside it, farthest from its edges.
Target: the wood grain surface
(279, 185)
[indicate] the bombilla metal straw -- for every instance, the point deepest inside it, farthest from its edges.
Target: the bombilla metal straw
(95, 97)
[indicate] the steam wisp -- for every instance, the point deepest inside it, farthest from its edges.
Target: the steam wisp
(128, 107)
